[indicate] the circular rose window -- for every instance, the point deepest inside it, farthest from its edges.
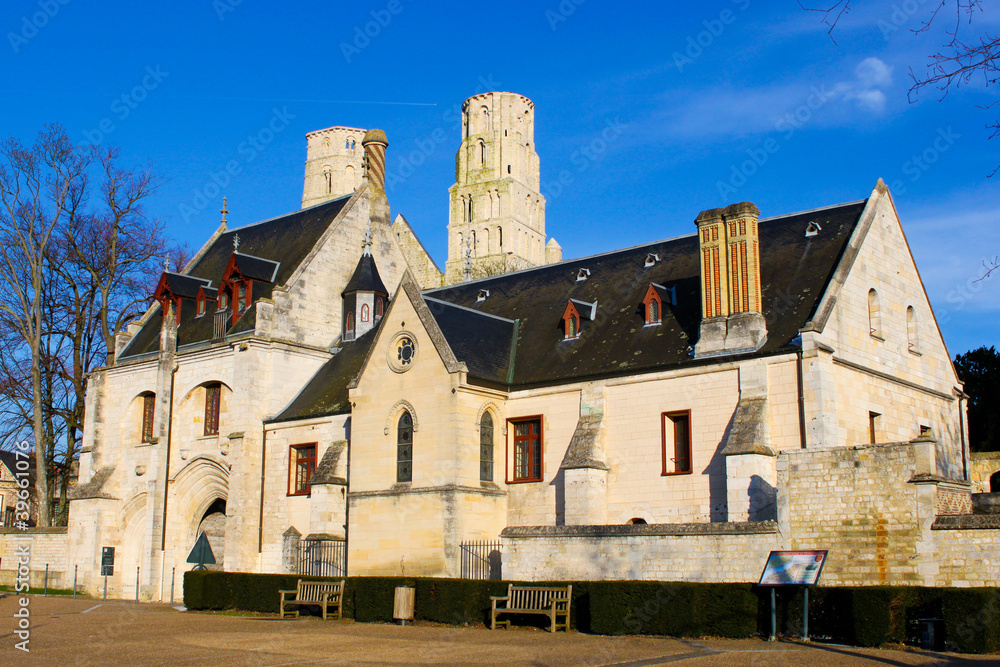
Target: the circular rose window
(401, 353)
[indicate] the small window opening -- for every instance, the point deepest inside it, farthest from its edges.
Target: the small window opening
(651, 259)
(874, 427)
(349, 332)
(508, 168)
(378, 307)
(637, 521)
(874, 315)
(912, 341)
(582, 274)
(364, 312)
(813, 228)
(483, 295)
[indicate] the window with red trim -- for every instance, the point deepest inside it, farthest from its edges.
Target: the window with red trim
(676, 442)
(148, 411)
(378, 307)
(571, 322)
(527, 449)
(301, 466)
(349, 334)
(201, 305)
(653, 306)
(223, 300)
(213, 396)
(364, 312)
(242, 296)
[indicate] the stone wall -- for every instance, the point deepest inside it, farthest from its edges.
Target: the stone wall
(706, 552)
(984, 465)
(48, 546)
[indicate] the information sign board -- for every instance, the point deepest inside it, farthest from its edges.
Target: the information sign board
(793, 568)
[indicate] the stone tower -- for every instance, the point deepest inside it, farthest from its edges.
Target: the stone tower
(334, 164)
(497, 214)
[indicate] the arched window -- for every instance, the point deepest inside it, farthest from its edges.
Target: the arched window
(482, 153)
(364, 312)
(472, 239)
(148, 411)
(654, 312)
(911, 330)
(486, 240)
(874, 315)
(404, 448)
(500, 238)
(349, 333)
(470, 210)
(378, 307)
(349, 180)
(486, 448)
(328, 179)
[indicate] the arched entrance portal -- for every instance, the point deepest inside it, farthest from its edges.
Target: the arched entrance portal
(213, 523)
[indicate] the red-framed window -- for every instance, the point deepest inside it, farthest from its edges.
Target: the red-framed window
(223, 300)
(654, 306)
(243, 292)
(201, 305)
(378, 307)
(350, 327)
(365, 312)
(148, 411)
(571, 322)
(213, 396)
(527, 441)
(676, 442)
(301, 466)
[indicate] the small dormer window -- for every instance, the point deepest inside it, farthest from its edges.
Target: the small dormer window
(483, 295)
(813, 228)
(653, 312)
(582, 275)
(572, 327)
(575, 313)
(201, 306)
(651, 259)
(241, 297)
(223, 300)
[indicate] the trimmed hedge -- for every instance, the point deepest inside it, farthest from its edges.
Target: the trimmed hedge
(863, 616)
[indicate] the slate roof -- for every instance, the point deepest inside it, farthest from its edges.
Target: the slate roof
(794, 273)
(183, 285)
(286, 240)
(482, 341)
(326, 393)
(255, 268)
(366, 278)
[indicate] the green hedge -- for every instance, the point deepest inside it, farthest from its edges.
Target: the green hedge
(863, 616)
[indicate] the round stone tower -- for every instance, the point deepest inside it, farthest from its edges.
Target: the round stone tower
(496, 221)
(334, 164)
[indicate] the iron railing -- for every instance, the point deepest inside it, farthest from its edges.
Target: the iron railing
(322, 558)
(481, 560)
(220, 325)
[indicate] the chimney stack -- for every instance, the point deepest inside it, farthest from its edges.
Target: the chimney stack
(375, 144)
(732, 321)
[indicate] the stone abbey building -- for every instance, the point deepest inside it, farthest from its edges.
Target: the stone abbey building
(670, 411)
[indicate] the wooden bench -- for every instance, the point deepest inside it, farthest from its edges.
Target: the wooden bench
(323, 593)
(548, 601)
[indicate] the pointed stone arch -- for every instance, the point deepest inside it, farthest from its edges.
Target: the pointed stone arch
(500, 424)
(194, 489)
(395, 411)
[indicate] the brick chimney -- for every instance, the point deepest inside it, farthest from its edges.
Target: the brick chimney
(731, 322)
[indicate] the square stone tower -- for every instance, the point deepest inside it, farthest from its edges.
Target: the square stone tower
(496, 221)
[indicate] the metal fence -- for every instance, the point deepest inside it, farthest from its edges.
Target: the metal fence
(322, 558)
(481, 560)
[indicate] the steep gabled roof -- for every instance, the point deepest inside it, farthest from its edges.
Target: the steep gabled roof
(326, 393)
(795, 270)
(285, 240)
(179, 284)
(482, 340)
(256, 268)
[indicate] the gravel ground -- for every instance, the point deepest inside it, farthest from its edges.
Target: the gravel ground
(91, 632)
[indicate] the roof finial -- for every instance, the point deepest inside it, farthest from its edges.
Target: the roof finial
(166, 264)
(236, 242)
(367, 243)
(224, 211)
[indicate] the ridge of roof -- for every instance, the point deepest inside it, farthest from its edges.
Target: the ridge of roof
(284, 215)
(471, 310)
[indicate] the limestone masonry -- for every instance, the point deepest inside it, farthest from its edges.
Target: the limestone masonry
(316, 395)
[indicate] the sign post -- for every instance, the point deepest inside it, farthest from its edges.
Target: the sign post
(202, 553)
(792, 568)
(107, 567)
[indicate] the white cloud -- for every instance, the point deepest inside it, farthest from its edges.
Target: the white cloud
(871, 76)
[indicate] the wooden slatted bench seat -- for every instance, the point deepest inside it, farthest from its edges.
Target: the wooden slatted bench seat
(326, 594)
(549, 601)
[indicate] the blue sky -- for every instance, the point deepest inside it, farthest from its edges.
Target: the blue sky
(704, 105)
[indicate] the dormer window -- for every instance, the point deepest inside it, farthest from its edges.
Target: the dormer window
(651, 259)
(242, 296)
(656, 295)
(576, 311)
(378, 307)
(582, 275)
(813, 228)
(483, 295)
(223, 300)
(201, 306)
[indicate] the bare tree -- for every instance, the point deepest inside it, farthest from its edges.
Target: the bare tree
(65, 296)
(496, 265)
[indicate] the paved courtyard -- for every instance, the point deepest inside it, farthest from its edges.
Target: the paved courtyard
(89, 632)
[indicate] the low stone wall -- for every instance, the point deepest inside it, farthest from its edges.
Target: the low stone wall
(47, 546)
(707, 552)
